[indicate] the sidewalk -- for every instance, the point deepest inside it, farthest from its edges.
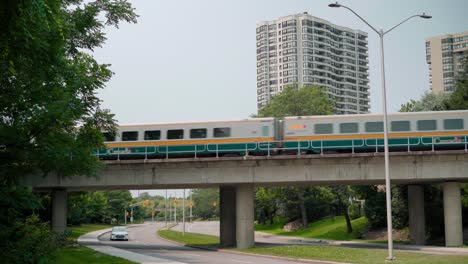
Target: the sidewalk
(91, 240)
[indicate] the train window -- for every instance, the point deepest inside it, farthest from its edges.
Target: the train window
(130, 136)
(424, 125)
(348, 127)
(400, 126)
(222, 132)
(323, 128)
(153, 135)
(198, 133)
(175, 134)
(374, 126)
(108, 136)
(453, 124)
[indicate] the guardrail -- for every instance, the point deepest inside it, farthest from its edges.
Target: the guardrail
(270, 147)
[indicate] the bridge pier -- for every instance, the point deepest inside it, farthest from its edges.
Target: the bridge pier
(452, 214)
(227, 205)
(417, 230)
(245, 236)
(59, 210)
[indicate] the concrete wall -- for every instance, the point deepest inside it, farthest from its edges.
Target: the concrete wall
(280, 170)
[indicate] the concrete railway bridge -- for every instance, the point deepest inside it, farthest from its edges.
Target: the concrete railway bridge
(238, 176)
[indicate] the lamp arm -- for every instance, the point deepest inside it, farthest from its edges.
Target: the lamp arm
(363, 20)
(392, 28)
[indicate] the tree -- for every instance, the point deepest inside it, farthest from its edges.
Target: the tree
(309, 100)
(266, 201)
(458, 100)
(429, 102)
(51, 119)
(342, 194)
(205, 203)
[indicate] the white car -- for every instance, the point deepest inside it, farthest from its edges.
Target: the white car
(119, 233)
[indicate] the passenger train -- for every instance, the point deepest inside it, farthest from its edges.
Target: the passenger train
(413, 131)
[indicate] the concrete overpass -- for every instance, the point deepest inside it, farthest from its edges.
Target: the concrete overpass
(237, 177)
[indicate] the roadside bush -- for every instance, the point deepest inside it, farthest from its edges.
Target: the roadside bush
(354, 210)
(30, 241)
(360, 227)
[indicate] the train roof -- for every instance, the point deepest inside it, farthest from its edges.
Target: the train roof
(363, 116)
(431, 113)
(200, 122)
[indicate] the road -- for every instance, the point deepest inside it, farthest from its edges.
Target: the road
(143, 240)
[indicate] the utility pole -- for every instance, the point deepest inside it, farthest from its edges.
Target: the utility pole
(165, 210)
(175, 208)
(183, 214)
(191, 205)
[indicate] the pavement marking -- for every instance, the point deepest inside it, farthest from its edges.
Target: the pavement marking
(240, 261)
(190, 254)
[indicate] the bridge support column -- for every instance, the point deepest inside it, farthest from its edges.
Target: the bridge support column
(59, 210)
(227, 208)
(245, 237)
(417, 227)
(453, 215)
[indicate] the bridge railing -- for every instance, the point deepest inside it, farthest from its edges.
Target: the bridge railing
(298, 147)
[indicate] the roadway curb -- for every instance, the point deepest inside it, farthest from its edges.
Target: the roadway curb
(252, 254)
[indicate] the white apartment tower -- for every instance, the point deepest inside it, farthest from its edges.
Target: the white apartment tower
(305, 50)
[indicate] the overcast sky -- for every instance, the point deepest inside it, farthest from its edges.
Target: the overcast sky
(189, 60)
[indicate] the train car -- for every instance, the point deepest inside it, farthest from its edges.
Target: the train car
(188, 139)
(364, 133)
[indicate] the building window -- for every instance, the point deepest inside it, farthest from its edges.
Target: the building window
(130, 136)
(175, 134)
(152, 135)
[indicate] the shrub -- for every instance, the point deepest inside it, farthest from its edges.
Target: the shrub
(28, 241)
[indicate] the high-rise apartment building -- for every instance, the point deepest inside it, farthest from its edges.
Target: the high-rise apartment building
(305, 50)
(445, 55)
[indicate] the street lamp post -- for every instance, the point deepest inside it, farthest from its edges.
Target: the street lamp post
(381, 34)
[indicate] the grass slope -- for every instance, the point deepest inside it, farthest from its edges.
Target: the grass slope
(355, 255)
(78, 254)
(77, 231)
(189, 239)
(329, 228)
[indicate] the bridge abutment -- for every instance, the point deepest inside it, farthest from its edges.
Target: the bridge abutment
(417, 225)
(59, 210)
(245, 236)
(453, 214)
(227, 207)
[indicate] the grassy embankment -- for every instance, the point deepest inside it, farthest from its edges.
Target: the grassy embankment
(189, 239)
(78, 254)
(323, 229)
(327, 253)
(329, 228)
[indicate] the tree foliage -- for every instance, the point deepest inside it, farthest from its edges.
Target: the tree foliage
(50, 115)
(205, 203)
(429, 102)
(309, 100)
